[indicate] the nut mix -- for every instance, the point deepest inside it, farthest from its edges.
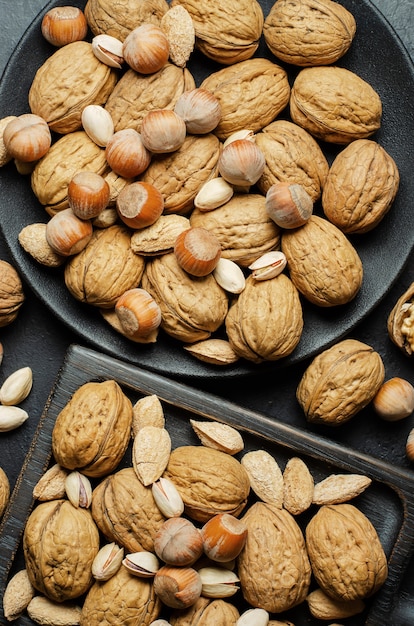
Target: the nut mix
(125, 108)
(180, 547)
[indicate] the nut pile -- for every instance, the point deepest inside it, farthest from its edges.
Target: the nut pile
(194, 208)
(161, 538)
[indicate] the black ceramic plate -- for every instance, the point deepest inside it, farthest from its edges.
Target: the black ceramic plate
(388, 502)
(378, 56)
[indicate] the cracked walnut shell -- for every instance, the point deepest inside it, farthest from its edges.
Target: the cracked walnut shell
(11, 293)
(92, 431)
(309, 32)
(341, 539)
(334, 104)
(227, 32)
(340, 382)
(68, 81)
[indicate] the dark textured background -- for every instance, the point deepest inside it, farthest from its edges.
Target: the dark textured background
(38, 340)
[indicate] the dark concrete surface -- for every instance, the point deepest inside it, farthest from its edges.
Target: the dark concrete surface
(38, 340)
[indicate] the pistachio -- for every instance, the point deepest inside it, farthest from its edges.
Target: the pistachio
(167, 497)
(268, 265)
(253, 617)
(214, 193)
(218, 582)
(150, 453)
(17, 595)
(143, 564)
(108, 561)
(11, 417)
(108, 49)
(51, 485)
(16, 387)
(229, 276)
(78, 489)
(240, 134)
(98, 124)
(218, 436)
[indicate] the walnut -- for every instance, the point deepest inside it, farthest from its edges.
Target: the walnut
(92, 431)
(60, 543)
(227, 32)
(340, 382)
(125, 511)
(118, 17)
(179, 175)
(136, 94)
(323, 264)
(335, 104)
(192, 308)
(11, 293)
(292, 155)
(243, 227)
(400, 323)
(4, 491)
(270, 331)
(280, 582)
(251, 94)
(204, 612)
(361, 186)
(347, 558)
(123, 599)
(69, 80)
(197, 472)
(108, 253)
(52, 174)
(309, 32)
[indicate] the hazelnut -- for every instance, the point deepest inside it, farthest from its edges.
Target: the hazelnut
(288, 204)
(63, 25)
(137, 312)
(200, 110)
(139, 204)
(27, 137)
(162, 131)
(146, 49)
(67, 234)
(177, 587)
(394, 400)
(224, 536)
(88, 194)
(126, 154)
(178, 542)
(241, 162)
(197, 251)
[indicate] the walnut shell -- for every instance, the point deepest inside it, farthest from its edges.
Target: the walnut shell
(273, 567)
(136, 94)
(52, 174)
(293, 156)
(123, 599)
(341, 539)
(60, 543)
(227, 32)
(309, 32)
(340, 382)
(4, 491)
(197, 473)
(192, 308)
(92, 431)
(70, 79)
(242, 226)
(179, 175)
(108, 254)
(118, 17)
(125, 511)
(11, 293)
(323, 264)
(361, 186)
(251, 94)
(335, 104)
(265, 332)
(400, 323)
(204, 612)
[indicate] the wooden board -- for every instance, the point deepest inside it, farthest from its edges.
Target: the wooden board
(388, 502)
